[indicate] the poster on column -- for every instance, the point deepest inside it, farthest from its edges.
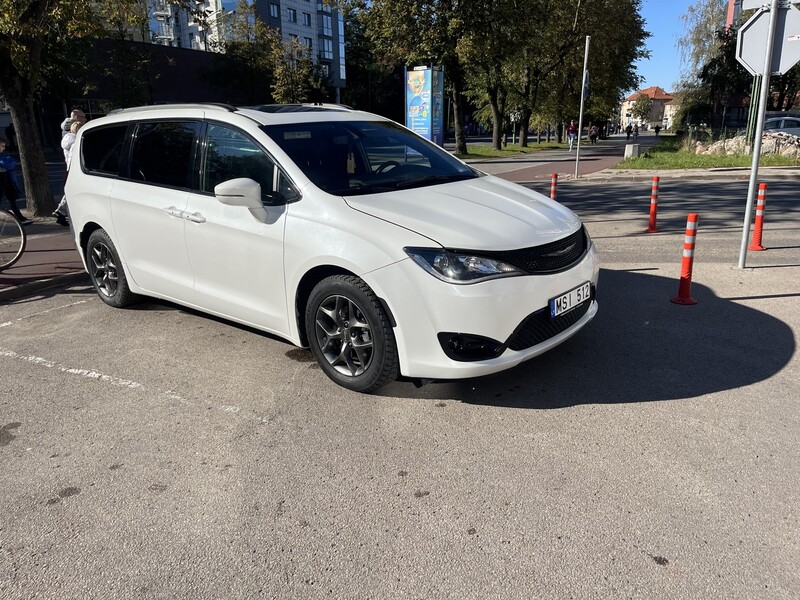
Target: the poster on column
(424, 102)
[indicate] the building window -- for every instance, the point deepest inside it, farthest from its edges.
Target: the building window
(327, 29)
(308, 42)
(327, 50)
(291, 15)
(274, 11)
(307, 19)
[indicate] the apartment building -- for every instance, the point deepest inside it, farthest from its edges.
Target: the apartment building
(204, 23)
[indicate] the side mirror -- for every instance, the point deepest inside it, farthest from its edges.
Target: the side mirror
(242, 191)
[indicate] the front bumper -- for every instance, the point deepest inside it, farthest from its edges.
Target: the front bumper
(504, 310)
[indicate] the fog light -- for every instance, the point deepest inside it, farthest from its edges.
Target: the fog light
(465, 347)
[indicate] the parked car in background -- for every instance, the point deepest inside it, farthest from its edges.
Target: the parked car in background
(335, 229)
(782, 124)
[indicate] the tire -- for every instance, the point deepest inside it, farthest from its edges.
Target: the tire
(106, 272)
(12, 239)
(342, 309)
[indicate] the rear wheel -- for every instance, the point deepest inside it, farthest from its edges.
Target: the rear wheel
(12, 239)
(350, 335)
(106, 272)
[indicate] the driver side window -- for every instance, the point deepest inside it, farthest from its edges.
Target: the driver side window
(230, 154)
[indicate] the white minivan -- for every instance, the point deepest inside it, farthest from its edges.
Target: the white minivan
(335, 229)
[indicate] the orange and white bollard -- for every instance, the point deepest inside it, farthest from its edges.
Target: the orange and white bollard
(553, 184)
(653, 206)
(685, 288)
(759, 227)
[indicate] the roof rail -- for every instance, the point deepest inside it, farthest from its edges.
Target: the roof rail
(206, 105)
(308, 107)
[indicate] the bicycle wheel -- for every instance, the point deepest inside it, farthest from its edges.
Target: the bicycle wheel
(12, 239)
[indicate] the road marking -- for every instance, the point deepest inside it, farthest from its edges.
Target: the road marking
(44, 312)
(89, 374)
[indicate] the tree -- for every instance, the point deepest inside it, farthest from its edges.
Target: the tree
(33, 34)
(423, 32)
(372, 84)
(296, 76)
(699, 43)
(642, 108)
(247, 66)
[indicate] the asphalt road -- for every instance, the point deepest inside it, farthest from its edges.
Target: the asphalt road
(158, 453)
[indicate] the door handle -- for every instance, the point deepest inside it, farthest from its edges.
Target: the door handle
(173, 212)
(194, 217)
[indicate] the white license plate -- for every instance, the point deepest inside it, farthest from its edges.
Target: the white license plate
(566, 302)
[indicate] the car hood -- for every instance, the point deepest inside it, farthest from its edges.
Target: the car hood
(486, 213)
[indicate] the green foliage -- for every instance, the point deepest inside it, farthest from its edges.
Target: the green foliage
(642, 107)
(294, 71)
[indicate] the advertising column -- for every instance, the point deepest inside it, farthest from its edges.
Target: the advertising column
(424, 102)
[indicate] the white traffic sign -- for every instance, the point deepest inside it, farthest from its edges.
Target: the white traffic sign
(753, 36)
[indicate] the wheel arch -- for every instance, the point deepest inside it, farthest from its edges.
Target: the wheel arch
(88, 229)
(308, 282)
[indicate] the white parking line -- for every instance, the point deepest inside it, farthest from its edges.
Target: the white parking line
(44, 312)
(89, 374)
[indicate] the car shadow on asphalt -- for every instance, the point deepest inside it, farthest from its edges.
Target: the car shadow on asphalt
(640, 347)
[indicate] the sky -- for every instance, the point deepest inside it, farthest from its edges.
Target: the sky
(663, 21)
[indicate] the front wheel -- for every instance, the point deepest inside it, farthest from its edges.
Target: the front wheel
(350, 335)
(106, 272)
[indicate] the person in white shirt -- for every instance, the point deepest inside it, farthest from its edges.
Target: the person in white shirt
(67, 143)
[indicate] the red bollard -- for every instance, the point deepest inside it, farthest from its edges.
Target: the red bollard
(653, 206)
(757, 232)
(685, 288)
(553, 184)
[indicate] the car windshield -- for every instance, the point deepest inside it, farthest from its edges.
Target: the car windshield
(366, 157)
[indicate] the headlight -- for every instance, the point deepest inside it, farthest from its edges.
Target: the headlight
(460, 268)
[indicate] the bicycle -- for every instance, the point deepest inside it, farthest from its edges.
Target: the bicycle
(12, 239)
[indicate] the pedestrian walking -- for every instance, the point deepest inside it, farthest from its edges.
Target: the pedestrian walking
(572, 132)
(628, 131)
(67, 143)
(8, 186)
(594, 131)
(635, 132)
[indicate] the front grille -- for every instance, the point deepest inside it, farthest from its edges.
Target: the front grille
(539, 327)
(547, 258)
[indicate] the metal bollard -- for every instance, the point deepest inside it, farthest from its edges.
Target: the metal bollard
(553, 184)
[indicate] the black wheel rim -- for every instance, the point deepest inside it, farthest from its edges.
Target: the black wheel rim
(344, 336)
(104, 269)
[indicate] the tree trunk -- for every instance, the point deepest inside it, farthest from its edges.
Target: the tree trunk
(497, 119)
(458, 117)
(524, 125)
(39, 197)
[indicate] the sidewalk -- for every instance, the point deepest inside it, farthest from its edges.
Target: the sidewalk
(51, 259)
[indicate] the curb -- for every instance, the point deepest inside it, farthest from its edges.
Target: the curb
(26, 289)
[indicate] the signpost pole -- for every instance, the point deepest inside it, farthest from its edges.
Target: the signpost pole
(762, 109)
(583, 99)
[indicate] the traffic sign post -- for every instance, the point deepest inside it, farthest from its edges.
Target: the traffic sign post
(767, 44)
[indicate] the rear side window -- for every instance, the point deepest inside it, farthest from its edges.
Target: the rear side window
(163, 153)
(101, 149)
